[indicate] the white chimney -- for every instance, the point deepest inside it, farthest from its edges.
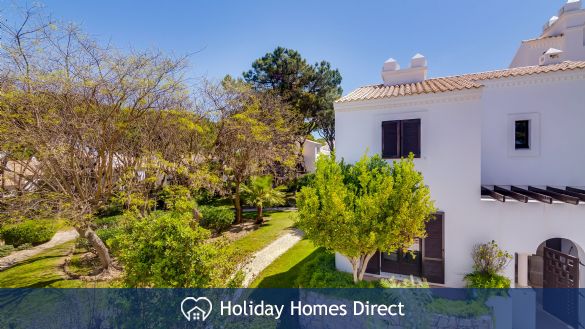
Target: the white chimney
(393, 75)
(551, 56)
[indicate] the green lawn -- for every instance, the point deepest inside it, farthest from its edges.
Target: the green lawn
(275, 224)
(283, 272)
(43, 270)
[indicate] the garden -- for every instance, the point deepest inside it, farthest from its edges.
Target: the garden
(117, 171)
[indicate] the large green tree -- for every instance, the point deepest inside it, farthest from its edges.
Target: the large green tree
(253, 130)
(309, 89)
(86, 122)
(359, 209)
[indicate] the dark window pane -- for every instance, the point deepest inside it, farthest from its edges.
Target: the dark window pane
(411, 137)
(522, 134)
(390, 139)
(393, 256)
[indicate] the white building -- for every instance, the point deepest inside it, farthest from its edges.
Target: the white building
(311, 152)
(501, 151)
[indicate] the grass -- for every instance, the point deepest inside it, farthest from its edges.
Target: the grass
(283, 272)
(275, 224)
(307, 266)
(43, 270)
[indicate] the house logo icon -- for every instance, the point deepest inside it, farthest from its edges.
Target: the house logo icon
(195, 309)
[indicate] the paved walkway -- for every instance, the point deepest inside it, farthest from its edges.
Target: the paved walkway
(19, 256)
(266, 256)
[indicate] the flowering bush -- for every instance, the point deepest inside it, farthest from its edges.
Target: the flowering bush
(488, 258)
(488, 261)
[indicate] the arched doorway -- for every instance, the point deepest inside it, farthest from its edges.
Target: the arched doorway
(556, 265)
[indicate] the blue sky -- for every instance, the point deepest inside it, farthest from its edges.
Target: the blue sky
(355, 36)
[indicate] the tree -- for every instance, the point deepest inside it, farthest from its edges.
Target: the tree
(84, 121)
(359, 209)
(259, 192)
(253, 131)
(309, 90)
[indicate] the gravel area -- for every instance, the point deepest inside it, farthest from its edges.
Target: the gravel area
(19, 256)
(266, 256)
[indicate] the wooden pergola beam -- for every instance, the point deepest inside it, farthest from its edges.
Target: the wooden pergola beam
(493, 194)
(534, 195)
(575, 189)
(514, 195)
(580, 196)
(557, 196)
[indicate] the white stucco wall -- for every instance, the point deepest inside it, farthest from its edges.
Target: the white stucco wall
(311, 151)
(559, 101)
(450, 153)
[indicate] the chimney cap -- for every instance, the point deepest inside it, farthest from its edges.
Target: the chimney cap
(551, 56)
(418, 60)
(391, 65)
(553, 51)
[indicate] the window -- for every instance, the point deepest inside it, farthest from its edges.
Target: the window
(522, 134)
(400, 138)
(523, 137)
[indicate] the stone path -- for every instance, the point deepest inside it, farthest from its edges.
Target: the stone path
(266, 256)
(19, 256)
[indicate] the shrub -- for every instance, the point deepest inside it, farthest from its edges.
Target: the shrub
(486, 280)
(298, 183)
(177, 198)
(108, 228)
(34, 232)
(171, 250)
(488, 258)
(7, 249)
(216, 218)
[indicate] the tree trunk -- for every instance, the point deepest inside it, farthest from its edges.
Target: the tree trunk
(359, 265)
(355, 268)
(98, 245)
(259, 217)
(364, 264)
(238, 204)
(196, 215)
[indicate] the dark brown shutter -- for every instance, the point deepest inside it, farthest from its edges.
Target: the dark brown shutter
(433, 259)
(373, 266)
(411, 137)
(390, 139)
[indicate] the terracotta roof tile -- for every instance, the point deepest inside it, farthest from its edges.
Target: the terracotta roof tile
(453, 83)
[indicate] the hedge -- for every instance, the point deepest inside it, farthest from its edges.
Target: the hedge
(34, 232)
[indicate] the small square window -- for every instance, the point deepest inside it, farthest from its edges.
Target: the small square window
(522, 134)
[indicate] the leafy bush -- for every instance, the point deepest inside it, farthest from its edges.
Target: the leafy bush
(170, 250)
(5, 250)
(108, 228)
(34, 232)
(177, 198)
(488, 258)
(216, 218)
(486, 280)
(298, 183)
(488, 261)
